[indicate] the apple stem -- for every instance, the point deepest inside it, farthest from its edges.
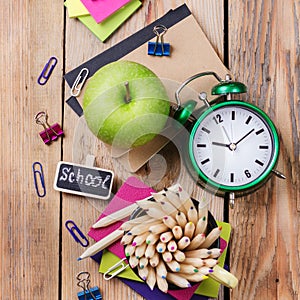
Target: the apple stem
(127, 97)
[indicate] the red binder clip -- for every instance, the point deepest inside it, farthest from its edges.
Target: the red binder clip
(50, 133)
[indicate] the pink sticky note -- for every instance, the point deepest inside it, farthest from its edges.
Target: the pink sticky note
(101, 9)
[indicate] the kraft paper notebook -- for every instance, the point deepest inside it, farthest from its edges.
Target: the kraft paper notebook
(132, 190)
(191, 53)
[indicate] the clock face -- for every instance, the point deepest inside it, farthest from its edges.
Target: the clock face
(234, 146)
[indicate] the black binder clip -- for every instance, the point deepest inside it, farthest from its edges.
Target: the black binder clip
(87, 293)
(159, 48)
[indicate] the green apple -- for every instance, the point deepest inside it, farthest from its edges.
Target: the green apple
(125, 104)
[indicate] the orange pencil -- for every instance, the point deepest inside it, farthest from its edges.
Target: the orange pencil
(177, 232)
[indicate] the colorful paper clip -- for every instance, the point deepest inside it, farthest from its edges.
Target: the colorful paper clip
(87, 293)
(39, 179)
(118, 268)
(45, 74)
(76, 233)
(79, 82)
(50, 133)
(159, 48)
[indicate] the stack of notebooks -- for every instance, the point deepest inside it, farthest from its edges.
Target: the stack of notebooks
(102, 17)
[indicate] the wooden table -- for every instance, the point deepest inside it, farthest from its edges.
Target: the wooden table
(260, 43)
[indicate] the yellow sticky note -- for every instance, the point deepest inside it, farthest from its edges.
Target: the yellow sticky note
(104, 29)
(76, 8)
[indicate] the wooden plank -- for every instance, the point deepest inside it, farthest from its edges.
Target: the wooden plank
(76, 208)
(264, 48)
(30, 32)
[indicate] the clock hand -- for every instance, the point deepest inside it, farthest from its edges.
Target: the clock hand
(220, 144)
(226, 133)
(244, 136)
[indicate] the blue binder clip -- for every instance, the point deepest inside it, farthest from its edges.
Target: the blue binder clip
(159, 48)
(87, 293)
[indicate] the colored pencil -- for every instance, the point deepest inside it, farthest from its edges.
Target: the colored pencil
(155, 213)
(158, 228)
(177, 232)
(181, 219)
(196, 262)
(127, 239)
(154, 260)
(129, 250)
(205, 270)
(150, 251)
(102, 244)
(143, 227)
(161, 247)
(172, 246)
(166, 236)
(143, 262)
(116, 216)
(126, 226)
(151, 278)
(147, 204)
(143, 272)
(167, 256)
(179, 256)
(161, 269)
(173, 265)
(140, 239)
(200, 253)
(133, 261)
(201, 225)
(188, 269)
(162, 284)
(211, 237)
(189, 229)
(140, 250)
(183, 242)
(210, 262)
(178, 280)
(192, 215)
(168, 208)
(169, 221)
(196, 277)
(173, 198)
(152, 238)
(196, 242)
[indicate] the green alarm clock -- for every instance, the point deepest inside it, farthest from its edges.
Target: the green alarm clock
(233, 145)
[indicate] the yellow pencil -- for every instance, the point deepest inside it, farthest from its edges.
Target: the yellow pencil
(196, 242)
(178, 280)
(177, 232)
(183, 242)
(189, 229)
(102, 244)
(151, 278)
(196, 277)
(211, 237)
(166, 236)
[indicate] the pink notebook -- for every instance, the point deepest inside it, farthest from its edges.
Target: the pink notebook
(101, 9)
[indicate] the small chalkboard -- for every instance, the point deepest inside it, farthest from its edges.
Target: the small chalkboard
(82, 180)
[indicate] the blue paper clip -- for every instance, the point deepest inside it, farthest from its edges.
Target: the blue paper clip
(39, 179)
(87, 293)
(159, 48)
(45, 74)
(73, 230)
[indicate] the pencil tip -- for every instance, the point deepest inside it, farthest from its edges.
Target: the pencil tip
(79, 258)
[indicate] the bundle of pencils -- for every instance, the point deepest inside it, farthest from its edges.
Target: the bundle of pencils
(168, 244)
